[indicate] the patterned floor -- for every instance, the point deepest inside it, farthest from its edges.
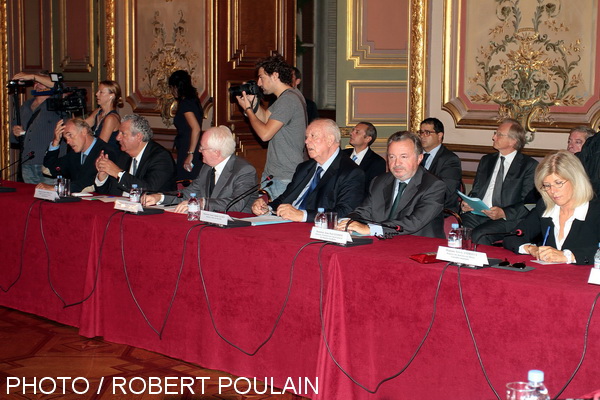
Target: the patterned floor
(35, 348)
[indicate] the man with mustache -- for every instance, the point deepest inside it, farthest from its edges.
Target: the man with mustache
(408, 200)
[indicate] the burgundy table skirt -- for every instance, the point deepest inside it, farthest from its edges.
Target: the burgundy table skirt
(160, 283)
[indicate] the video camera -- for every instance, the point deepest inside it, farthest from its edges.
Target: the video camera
(75, 100)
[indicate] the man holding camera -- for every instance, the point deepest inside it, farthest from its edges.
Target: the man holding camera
(283, 124)
(37, 127)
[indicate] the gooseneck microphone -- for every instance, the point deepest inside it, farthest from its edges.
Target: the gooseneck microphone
(28, 157)
(249, 192)
(516, 232)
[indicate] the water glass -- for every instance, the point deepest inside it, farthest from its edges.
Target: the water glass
(467, 238)
(332, 219)
(519, 391)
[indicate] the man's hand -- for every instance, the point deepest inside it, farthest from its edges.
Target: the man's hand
(288, 212)
(44, 186)
(465, 206)
(495, 213)
(106, 167)
(59, 130)
(245, 100)
(353, 226)
(260, 207)
(18, 130)
(182, 208)
(150, 199)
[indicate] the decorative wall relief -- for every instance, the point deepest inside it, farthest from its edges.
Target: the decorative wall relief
(526, 70)
(170, 51)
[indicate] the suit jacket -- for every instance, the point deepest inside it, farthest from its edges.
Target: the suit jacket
(446, 166)
(372, 164)
(340, 188)
(518, 183)
(237, 177)
(155, 173)
(69, 165)
(420, 208)
(582, 240)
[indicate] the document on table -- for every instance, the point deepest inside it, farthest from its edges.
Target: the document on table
(476, 204)
(266, 219)
(104, 199)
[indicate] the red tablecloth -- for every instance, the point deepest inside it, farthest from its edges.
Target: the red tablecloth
(377, 302)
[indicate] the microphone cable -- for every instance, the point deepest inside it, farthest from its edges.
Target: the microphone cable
(139, 307)
(22, 248)
(411, 359)
(287, 296)
(462, 302)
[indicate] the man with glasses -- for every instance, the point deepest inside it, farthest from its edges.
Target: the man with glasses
(222, 178)
(362, 137)
(503, 181)
(440, 161)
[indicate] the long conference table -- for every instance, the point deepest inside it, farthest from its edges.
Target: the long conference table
(154, 281)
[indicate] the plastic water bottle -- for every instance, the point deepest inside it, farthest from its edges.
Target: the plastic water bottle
(193, 208)
(454, 237)
(597, 258)
(135, 193)
(321, 218)
(536, 382)
(59, 187)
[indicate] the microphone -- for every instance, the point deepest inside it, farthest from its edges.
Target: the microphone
(516, 232)
(249, 192)
(28, 157)
(397, 228)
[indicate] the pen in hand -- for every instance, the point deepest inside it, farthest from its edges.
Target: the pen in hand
(546, 236)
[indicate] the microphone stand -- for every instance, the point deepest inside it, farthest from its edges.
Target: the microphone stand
(4, 189)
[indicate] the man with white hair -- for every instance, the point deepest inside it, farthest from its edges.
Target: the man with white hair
(222, 178)
(328, 180)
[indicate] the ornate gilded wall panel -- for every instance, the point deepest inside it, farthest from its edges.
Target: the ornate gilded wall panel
(535, 61)
(382, 103)
(378, 33)
(76, 37)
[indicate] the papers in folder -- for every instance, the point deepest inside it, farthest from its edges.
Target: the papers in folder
(476, 204)
(266, 219)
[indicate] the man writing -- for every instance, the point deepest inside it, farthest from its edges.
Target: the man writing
(408, 200)
(328, 180)
(151, 166)
(362, 137)
(222, 178)
(282, 125)
(80, 164)
(503, 181)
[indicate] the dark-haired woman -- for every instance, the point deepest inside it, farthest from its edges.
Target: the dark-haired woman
(188, 119)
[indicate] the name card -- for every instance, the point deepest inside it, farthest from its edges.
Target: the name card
(45, 194)
(214, 217)
(594, 276)
(128, 206)
(461, 256)
(330, 235)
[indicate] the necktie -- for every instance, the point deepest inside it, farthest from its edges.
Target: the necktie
(394, 209)
(497, 194)
(311, 188)
(354, 158)
(134, 170)
(83, 156)
(425, 157)
(211, 183)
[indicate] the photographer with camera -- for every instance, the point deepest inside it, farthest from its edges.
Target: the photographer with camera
(283, 124)
(37, 125)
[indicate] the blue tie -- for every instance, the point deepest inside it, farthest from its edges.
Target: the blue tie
(311, 188)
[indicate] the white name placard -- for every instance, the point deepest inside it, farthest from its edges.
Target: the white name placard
(45, 194)
(461, 256)
(214, 217)
(594, 276)
(330, 235)
(129, 206)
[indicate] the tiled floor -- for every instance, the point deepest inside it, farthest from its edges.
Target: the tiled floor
(34, 348)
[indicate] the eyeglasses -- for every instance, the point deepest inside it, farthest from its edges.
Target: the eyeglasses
(425, 133)
(201, 149)
(498, 134)
(507, 263)
(557, 185)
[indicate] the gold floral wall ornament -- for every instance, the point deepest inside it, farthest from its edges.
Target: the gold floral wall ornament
(167, 56)
(526, 70)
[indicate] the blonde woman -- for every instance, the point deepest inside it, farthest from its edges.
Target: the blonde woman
(105, 120)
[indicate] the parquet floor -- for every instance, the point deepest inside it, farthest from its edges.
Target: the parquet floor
(32, 347)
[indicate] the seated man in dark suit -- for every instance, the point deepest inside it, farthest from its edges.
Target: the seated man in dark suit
(328, 180)
(78, 165)
(504, 180)
(222, 178)
(361, 137)
(408, 200)
(151, 166)
(440, 161)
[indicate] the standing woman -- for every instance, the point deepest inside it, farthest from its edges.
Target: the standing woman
(187, 122)
(105, 120)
